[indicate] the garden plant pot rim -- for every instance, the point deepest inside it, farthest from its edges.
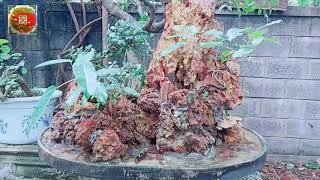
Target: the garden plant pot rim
(56, 94)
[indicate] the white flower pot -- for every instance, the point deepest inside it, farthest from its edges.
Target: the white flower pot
(14, 112)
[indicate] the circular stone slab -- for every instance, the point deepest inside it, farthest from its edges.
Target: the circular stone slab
(231, 162)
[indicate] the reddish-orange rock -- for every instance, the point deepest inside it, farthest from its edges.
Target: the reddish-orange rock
(108, 146)
(85, 128)
(233, 135)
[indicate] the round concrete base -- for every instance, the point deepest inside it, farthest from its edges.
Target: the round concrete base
(231, 162)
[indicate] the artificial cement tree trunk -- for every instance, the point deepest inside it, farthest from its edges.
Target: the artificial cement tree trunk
(194, 87)
(182, 108)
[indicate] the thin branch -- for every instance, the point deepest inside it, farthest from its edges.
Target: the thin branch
(73, 15)
(61, 74)
(151, 26)
(24, 86)
(137, 3)
(78, 33)
(84, 35)
(157, 27)
(6, 92)
(105, 19)
(98, 7)
(152, 14)
(114, 10)
(2, 97)
(84, 13)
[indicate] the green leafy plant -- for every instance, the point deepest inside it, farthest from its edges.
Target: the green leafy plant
(97, 59)
(97, 82)
(126, 36)
(124, 4)
(235, 43)
(12, 67)
(248, 6)
(101, 85)
(313, 165)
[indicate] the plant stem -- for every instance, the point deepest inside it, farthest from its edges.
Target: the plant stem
(84, 13)
(73, 15)
(2, 97)
(65, 83)
(78, 33)
(24, 86)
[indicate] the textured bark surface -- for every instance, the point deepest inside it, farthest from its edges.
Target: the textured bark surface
(192, 89)
(181, 109)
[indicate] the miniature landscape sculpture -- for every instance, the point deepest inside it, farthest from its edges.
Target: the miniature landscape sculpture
(182, 108)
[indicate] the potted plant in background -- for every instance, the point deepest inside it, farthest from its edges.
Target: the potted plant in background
(17, 100)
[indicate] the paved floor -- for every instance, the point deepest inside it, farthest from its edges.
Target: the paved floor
(6, 175)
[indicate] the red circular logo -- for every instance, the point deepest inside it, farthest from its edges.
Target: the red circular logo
(23, 19)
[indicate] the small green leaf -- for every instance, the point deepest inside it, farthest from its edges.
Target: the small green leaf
(88, 56)
(222, 7)
(313, 165)
(24, 70)
(270, 40)
(101, 94)
(171, 48)
(213, 32)
(211, 44)
(183, 36)
(16, 54)
(269, 24)
(131, 92)
(243, 52)
(113, 80)
(190, 29)
(52, 62)
(257, 41)
(205, 95)
(225, 55)
(5, 56)
(233, 33)
(109, 71)
(3, 41)
(250, 9)
(39, 111)
(256, 34)
(142, 79)
(72, 98)
(139, 70)
(85, 75)
(5, 49)
(290, 166)
(248, 30)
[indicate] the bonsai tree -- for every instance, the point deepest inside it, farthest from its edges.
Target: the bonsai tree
(191, 84)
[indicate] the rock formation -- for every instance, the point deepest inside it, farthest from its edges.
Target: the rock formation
(182, 108)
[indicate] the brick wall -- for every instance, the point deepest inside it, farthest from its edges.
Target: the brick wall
(282, 84)
(281, 81)
(2, 27)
